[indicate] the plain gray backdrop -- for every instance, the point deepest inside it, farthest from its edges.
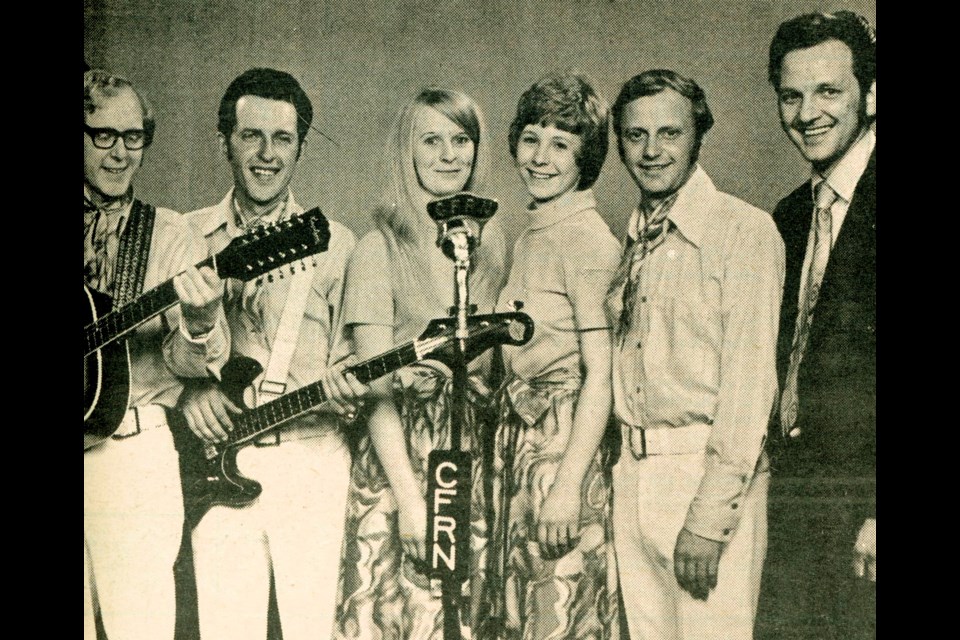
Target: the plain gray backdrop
(361, 60)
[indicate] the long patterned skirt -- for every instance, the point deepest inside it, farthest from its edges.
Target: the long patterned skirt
(382, 594)
(526, 596)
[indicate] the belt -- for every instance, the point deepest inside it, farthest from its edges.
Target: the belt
(140, 419)
(665, 440)
(292, 432)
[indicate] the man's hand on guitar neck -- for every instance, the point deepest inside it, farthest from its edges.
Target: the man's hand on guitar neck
(344, 392)
(201, 294)
(208, 411)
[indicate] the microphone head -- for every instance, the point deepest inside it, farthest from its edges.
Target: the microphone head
(462, 213)
(462, 205)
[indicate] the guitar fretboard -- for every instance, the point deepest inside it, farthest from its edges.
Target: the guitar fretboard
(117, 322)
(257, 422)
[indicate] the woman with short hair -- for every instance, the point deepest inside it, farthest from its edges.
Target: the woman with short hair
(548, 550)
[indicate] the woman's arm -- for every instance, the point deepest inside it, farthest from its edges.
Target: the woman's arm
(389, 441)
(559, 523)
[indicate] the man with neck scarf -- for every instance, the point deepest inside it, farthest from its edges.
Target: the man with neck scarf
(132, 505)
(694, 306)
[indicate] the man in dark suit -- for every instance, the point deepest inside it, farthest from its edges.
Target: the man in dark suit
(820, 577)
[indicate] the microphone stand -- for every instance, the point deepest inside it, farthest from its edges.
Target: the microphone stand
(460, 219)
(462, 245)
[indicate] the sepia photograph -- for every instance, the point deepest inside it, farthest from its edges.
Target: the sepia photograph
(480, 320)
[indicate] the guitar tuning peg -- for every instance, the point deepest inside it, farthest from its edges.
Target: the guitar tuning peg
(283, 254)
(293, 269)
(516, 305)
(314, 262)
(259, 281)
(280, 273)
(271, 259)
(472, 310)
(303, 266)
(269, 277)
(249, 267)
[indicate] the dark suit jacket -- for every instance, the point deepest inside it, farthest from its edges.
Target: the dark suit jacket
(837, 383)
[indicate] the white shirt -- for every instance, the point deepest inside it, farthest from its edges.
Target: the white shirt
(843, 181)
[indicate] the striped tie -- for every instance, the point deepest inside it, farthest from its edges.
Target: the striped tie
(823, 240)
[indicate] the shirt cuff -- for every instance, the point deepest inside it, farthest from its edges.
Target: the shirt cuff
(203, 337)
(716, 509)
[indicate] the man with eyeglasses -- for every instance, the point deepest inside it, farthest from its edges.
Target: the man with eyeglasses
(292, 326)
(132, 504)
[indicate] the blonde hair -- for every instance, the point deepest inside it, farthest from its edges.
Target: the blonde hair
(402, 216)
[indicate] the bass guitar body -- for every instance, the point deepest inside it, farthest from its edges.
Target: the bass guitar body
(106, 378)
(209, 472)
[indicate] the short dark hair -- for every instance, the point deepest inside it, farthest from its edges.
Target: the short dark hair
(272, 85)
(568, 102)
(654, 81)
(811, 29)
(99, 84)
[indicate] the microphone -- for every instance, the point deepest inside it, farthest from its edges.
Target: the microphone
(460, 219)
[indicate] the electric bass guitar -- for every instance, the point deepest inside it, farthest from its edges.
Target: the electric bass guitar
(106, 360)
(210, 474)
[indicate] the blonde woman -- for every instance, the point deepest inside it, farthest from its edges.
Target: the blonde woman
(397, 281)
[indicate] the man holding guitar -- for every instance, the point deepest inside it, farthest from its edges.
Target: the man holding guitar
(290, 325)
(132, 508)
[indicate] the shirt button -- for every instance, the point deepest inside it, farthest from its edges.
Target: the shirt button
(640, 344)
(734, 505)
(726, 532)
(643, 298)
(672, 254)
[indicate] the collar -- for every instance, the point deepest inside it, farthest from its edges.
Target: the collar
(687, 212)
(117, 212)
(223, 214)
(570, 203)
(846, 174)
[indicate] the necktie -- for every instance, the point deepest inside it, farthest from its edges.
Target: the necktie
(651, 236)
(823, 240)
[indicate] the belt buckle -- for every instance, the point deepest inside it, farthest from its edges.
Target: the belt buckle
(124, 436)
(643, 442)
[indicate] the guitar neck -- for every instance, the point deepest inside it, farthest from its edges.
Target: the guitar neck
(122, 320)
(263, 419)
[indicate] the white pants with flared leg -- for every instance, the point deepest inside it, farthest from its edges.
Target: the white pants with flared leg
(132, 527)
(293, 530)
(651, 498)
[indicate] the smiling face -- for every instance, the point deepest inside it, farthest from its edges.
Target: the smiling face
(659, 142)
(109, 172)
(547, 161)
(262, 150)
(443, 153)
(822, 108)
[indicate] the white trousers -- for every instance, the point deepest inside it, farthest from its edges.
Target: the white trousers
(132, 527)
(293, 530)
(651, 498)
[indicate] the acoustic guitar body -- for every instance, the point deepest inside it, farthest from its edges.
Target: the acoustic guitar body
(106, 378)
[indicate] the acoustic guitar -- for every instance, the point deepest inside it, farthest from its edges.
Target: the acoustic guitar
(106, 360)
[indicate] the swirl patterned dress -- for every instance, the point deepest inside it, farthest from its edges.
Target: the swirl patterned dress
(382, 595)
(563, 265)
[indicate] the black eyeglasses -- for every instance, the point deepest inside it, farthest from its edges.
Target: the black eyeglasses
(133, 139)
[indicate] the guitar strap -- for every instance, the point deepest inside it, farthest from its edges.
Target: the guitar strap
(273, 384)
(131, 268)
